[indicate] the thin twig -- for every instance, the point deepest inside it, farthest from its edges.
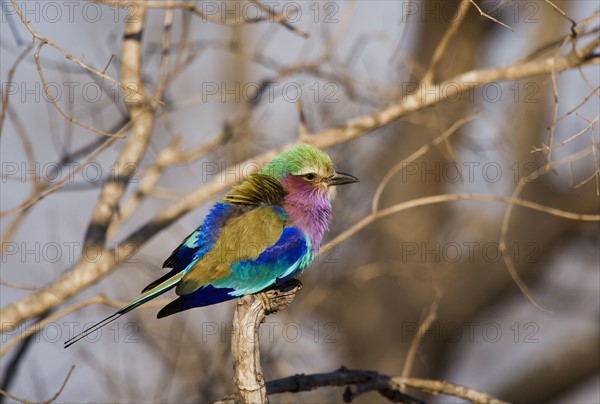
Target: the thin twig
(167, 156)
(425, 325)
(55, 396)
(18, 285)
(123, 85)
(164, 54)
(50, 400)
(508, 215)
(36, 185)
(561, 12)
(38, 197)
(440, 50)
(54, 102)
(190, 7)
(548, 149)
(10, 75)
(489, 17)
(430, 200)
(416, 155)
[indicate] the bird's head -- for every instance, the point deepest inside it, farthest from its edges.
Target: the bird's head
(306, 169)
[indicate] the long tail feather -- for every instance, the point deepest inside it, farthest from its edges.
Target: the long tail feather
(147, 296)
(92, 328)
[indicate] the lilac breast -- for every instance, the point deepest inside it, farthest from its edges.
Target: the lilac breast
(308, 208)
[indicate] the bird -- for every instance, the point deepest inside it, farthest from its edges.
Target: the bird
(263, 232)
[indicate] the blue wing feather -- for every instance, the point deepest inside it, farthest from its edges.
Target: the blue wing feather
(200, 241)
(276, 264)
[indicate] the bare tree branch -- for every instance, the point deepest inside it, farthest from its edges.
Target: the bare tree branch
(375, 382)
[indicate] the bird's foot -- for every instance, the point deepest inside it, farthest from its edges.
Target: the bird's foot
(279, 297)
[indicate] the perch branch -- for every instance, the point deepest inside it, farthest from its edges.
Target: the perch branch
(249, 314)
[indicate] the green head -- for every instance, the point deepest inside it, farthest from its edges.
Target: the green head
(299, 160)
(306, 162)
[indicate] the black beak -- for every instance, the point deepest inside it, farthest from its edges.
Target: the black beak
(341, 179)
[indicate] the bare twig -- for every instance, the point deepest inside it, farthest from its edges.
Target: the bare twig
(548, 149)
(282, 19)
(164, 54)
(190, 7)
(594, 92)
(512, 270)
(55, 102)
(429, 200)
(166, 157)
(36, 185)
(55, 396)
(124, 85)
(425, 325)
(18, 285)
(415, 155)
(9, 78)
(38, 197)
(50, 400)
(447, 388)
(489, 17)
(561, 12)
(169, 156)
(440, 50)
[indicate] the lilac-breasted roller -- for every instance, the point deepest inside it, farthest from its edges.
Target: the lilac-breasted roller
(265, 231)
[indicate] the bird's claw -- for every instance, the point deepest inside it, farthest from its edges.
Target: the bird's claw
(278, 297)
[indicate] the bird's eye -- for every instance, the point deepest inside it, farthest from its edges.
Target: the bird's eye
(310, 176)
